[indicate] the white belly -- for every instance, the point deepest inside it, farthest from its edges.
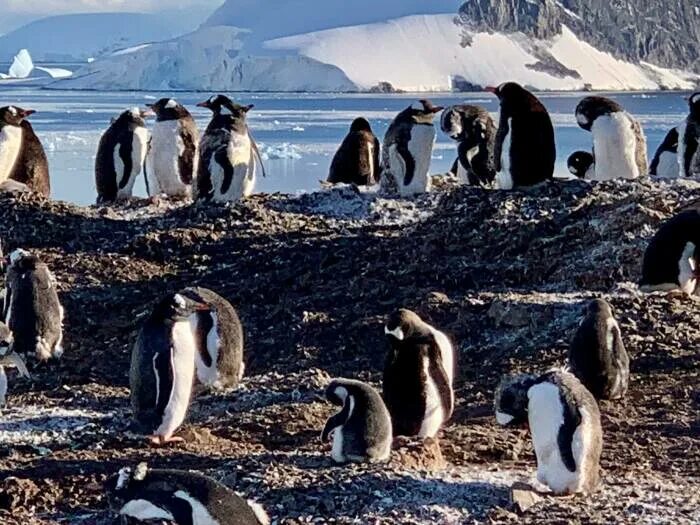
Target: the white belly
(162, 163)
(182, 364)
(421, 148)
(138, 156)
(546, 416)
(200, 514)
(504, 178)
(434, 412)
(3, 386)
(337, 453)
(239, 152)
(209, 375)
(615, 147)
(681, 148)
(143, 510)
(686, 270)
(10, 146)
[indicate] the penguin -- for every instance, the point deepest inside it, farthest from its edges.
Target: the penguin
(597, 355)
(8, 358)
(148, 495)
(407, 150)
(581, 165)
(672, 259)
(525, 150)
(665, 161)
(564, 421)
(689, 131)
(475, 133)
(357, 159)
(361, 431)
(219, 340)
(418, 375)
(120, 156)
(162, 372)
(32, 308)
(228, 154)
(619, 144)
(171, 159)
(22, 156)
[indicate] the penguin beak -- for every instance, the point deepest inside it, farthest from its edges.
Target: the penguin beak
(24, 113)
(204, 104)
(491, 89)
(148, 112)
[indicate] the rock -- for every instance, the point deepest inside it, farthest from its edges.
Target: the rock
(417, 454)
(523, 497)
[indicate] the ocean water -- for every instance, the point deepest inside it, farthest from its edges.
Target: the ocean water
(298, 133)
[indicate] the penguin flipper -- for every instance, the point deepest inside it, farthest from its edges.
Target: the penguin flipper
(691, 146)
(409, 163)
(256, 151)
(165, 379)
(335, 421)
(188, 156)
(221, 158)
(123, 163)
(436, 369)
(565, 436)
(501, 134)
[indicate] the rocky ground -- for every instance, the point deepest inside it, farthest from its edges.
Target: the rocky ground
(505, 274)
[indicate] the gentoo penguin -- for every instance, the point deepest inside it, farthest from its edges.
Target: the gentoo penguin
(597, 355)
(361, 431)
(407, 150)
(582, 165)
(218, 338)
(418, 375)
(120, 156)
(162, 370)
(32, 309)
(475, 133)
(619, 144)
(228, 155)
(672, 259)
(22, 157)
(357, 159)
(689, 133)
(525, 151)
(564, 421)
(665, 161)
(171, 160)
(8, 358)
(147, 495)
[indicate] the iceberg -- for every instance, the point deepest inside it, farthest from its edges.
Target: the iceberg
(22, 65)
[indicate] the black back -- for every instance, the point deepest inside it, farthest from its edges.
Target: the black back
(669, 144)
(691, 166)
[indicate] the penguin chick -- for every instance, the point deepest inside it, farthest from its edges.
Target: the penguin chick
(32, 309)
(9, 359)
(597, 355)
(581, 164)
(357, 159)
(361, 431)
(179, 497)
(564, 421)
(418, 375)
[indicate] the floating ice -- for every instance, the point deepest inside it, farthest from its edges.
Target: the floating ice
(22, 65)
(279, 151)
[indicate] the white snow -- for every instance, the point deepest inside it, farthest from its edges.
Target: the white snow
(130, 50)
(279, 151)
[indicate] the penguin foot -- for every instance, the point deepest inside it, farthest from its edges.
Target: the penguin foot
(161, 441)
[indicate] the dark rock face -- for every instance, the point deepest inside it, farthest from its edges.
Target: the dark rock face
(665, 33)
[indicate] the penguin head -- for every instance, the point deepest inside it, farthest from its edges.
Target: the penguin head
(694, 104)
(404, 324)
(579, 163)
(168, 109)
(599, 307)
(590, 108)
(511, 399)
(132, 117)
(451, 122)
(222, 105)
(124, 485)
(465, 123)
(178, 307)
(337, 392)
(360, 124)
(512, 96)
(425, 114)
(13, 115)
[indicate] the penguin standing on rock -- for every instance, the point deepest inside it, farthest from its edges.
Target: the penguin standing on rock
(32, 309)
(361, 431)
(357, 160)
(619, 144)
(418, 375)
(581, 164)
(597, 355)
(525, 150)
(475, 132)
(564, 421)
(176, 496)
(408, 148)
(120, 156)
(228, 155)
(665, 161)
(163, 366)
(672, 259)
(22, 157)
(8, 358)
(171, 160)
(688, 146)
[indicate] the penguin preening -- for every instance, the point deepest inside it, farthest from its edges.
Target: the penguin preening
(8, 359)
(22, 157)
(475, 133)
(581, 165)
(525, 150)
(672, 259)
(228, 154)
(597, 355)
(171, 159)
(32, 309)
(176, 496)
(689, 132)
(619, 144)
(564, 421)
(418, 375)
(407, 150)
(361, 431)
(120, 156)
(357, 159)
(665, 162)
